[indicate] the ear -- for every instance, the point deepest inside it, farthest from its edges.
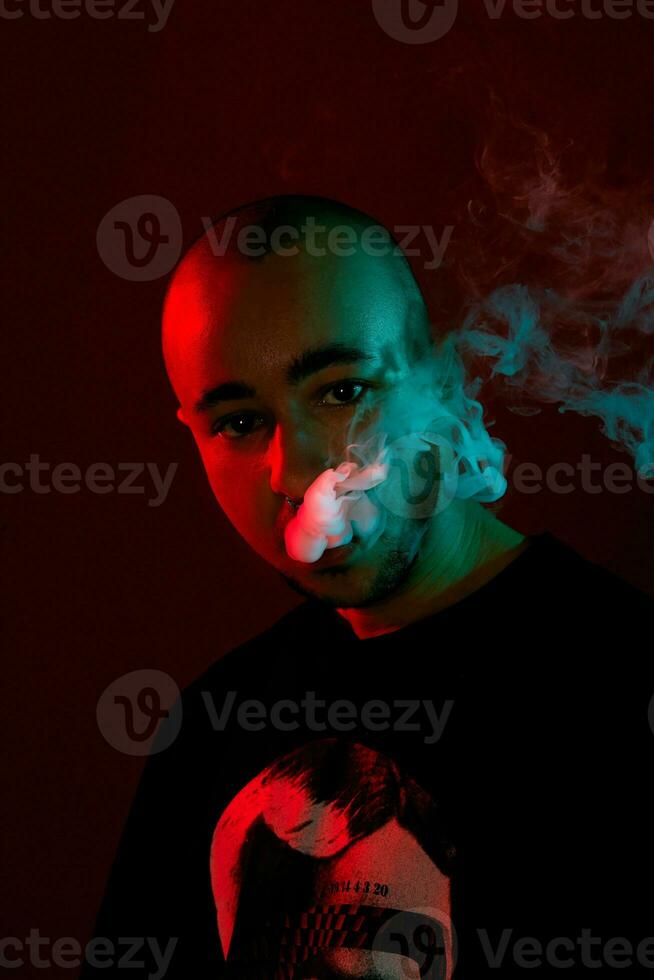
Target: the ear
(181, 416)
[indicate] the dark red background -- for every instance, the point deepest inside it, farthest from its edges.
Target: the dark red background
(231, 101)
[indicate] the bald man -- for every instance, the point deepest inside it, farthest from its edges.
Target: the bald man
(499, 672)
(269, 356)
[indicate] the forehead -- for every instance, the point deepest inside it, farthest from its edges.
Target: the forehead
(230, 318)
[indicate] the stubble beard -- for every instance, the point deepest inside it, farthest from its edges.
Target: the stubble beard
(394, 568)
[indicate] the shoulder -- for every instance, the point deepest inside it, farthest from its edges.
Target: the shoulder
(563, 569)
(551, 583)
(591, 612)
(251, 668)
(265, 653)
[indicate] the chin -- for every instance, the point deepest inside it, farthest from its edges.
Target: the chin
(338, 587)
(352, 586)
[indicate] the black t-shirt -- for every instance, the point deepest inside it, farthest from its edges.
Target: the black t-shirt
(491, 763)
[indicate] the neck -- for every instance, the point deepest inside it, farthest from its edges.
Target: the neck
(463, 548)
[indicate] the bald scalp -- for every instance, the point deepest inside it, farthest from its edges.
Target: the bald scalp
(290, 227)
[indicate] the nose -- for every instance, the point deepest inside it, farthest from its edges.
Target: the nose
(295, 458)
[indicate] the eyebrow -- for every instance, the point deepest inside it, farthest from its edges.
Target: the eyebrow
(226, 392)
(309, 362)
(317, 358)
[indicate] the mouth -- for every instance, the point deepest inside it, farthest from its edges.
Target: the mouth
(335, 557)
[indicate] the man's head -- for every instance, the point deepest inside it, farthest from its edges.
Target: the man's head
(283, 321)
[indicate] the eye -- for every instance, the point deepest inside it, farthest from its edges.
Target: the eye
(343, 393)
(237, 426)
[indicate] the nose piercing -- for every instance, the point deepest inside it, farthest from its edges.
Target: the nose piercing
(291, 503)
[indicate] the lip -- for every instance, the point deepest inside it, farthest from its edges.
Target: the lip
(334, 556)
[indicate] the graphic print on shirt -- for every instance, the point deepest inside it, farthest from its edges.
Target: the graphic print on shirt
(332, 863)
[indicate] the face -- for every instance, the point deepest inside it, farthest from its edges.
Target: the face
(270, 361)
